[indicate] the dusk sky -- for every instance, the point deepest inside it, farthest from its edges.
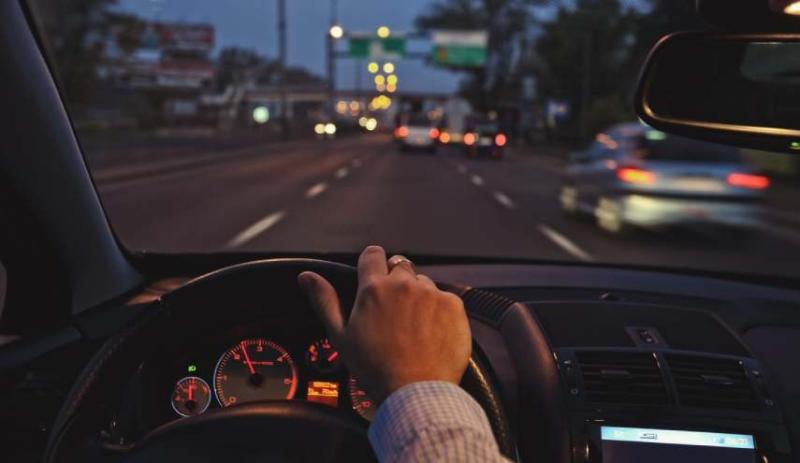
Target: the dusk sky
(251, 24)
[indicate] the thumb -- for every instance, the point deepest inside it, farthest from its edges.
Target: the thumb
(323, 298)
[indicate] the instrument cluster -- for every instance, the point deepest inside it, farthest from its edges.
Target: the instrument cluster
(255, 368)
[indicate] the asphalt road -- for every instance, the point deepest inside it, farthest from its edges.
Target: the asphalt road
(323, 196)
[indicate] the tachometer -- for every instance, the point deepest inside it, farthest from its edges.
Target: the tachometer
(253, 370)
(191, 396)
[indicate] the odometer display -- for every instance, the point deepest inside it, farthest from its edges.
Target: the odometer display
(254, 370)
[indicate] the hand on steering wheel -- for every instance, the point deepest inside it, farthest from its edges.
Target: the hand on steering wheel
(402, 328)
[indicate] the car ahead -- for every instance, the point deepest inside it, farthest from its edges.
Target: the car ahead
(633, 175)
(417, 132)
(485, 139)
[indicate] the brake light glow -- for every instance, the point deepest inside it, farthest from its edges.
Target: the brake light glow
(434, 133)
(636, 175)
(500, 139)
(444, 138)
(469, 139)
(401, 132)
(749, 181)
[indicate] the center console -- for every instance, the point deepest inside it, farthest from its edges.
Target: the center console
(648, 383)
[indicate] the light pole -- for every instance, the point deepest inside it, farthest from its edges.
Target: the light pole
(282, 60)
(334, 33)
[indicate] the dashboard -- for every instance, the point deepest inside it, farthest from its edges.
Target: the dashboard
(591, 365)
(250, 363)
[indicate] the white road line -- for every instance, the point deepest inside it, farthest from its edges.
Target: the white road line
(564, 243)
(462, 169)
(342, 173)
(256, 229)
(783, 232)
(316, 189)
(477, 180)
(503, 199)
(356, 163)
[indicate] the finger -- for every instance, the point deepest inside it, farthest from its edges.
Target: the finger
(323, 298)
(372, 263)
(425, 280)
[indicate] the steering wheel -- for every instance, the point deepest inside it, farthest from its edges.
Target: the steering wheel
(271, 431)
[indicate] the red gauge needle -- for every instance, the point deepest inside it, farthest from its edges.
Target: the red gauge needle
(333, 356)
(247, 359)
(191, 390)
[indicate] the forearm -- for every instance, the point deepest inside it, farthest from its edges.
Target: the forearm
(432, 421)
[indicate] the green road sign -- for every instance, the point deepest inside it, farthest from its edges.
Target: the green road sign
(374, 47)
(455, 48)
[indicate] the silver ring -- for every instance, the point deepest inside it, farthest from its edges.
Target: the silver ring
(394, 262)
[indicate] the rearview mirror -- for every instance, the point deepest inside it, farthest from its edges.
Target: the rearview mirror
(736, 89)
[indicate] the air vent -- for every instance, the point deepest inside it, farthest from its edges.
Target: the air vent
(711, 383)
(622, 377)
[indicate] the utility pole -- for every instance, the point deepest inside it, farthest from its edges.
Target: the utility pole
(330, 51)
(586, 83)
(282, 61)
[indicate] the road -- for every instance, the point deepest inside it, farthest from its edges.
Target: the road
(323, 196)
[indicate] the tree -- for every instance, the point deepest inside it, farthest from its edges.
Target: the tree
(237, 65)
(507, 21)
(585, 51)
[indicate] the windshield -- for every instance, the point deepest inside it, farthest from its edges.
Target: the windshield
(277, 126)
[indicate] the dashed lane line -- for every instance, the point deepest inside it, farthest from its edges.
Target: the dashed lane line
(504, 200)
(565, 243)
(249, 233)
(316, 190)
(477, 180)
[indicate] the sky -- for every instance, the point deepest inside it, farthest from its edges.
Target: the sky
(251, 24)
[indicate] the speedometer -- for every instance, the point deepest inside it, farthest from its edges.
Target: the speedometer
(253, 370)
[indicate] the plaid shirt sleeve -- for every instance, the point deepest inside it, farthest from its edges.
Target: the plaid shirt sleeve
(432, 421)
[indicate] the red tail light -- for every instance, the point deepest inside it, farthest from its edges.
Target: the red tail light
(434, 133)
(636, 175)
(749, 181)
(500, 139)
(401, 132)
(469, 139)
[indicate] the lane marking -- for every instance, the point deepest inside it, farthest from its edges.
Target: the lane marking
(462, 169)
(256, 229)
(316, 189)
(503, 199)
(564, 243)
(356, 163)
(342, 173)
(783, 232)
(477, 180)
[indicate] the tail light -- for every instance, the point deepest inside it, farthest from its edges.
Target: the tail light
(434, 133)
(444, 138)
(749, 181)
(636, 175)
(500, 139)
(469, 139)
(401, 132)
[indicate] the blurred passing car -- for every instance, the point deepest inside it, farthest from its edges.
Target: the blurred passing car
(417, 132)
(484, 139)
(634, 175)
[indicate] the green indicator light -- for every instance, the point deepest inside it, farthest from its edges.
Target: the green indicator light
(795, 145)
(192, 368)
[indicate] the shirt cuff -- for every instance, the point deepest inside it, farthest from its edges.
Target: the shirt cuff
(411, 410)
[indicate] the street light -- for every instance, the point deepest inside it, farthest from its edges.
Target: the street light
(384, 32)
(336, 31)
(373, 67)
(388, 68)
(391, 80)
(380, 80)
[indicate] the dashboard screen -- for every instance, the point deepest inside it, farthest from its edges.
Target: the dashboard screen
(668, 446)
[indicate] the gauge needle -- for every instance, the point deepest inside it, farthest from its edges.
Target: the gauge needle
(247, 359)
(333, 356)
(191, 390)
